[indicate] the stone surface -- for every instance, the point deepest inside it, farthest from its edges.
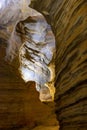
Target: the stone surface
(36, 54)
(11, 12)
(68, 19)
(20, 107)
(35, 41)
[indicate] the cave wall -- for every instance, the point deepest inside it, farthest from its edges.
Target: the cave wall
(11, 95)
(68, 19)
(20, 107)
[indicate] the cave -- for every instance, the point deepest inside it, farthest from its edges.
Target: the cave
(57, 103)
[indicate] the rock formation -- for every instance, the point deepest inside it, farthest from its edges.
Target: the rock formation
(17, 105)
(68, 19)
(35, 42)
(20, 107)
(36, 54)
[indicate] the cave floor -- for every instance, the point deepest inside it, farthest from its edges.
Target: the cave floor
(42, 114)
(25, 108)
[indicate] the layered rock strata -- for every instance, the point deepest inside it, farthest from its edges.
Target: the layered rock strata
(20, 107)
(68, 19)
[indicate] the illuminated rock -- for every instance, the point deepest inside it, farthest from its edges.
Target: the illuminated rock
(11, 12)
(36, 54)
(37, 51)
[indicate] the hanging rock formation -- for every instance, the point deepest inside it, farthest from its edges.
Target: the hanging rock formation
(36, 55)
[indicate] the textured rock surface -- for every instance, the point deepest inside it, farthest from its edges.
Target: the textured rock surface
(37, 40)
(11, 12)
(20, 107)
(36, 54)
(69, 21)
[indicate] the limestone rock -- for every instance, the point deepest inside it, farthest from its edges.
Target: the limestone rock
(36, 54)
(20, 107)
(68, 19)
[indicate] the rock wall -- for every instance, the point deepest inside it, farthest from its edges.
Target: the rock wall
(68, 19)
(11, 95)
(20, 107)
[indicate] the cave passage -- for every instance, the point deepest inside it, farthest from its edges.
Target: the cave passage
(27, 39)
(68, 19)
